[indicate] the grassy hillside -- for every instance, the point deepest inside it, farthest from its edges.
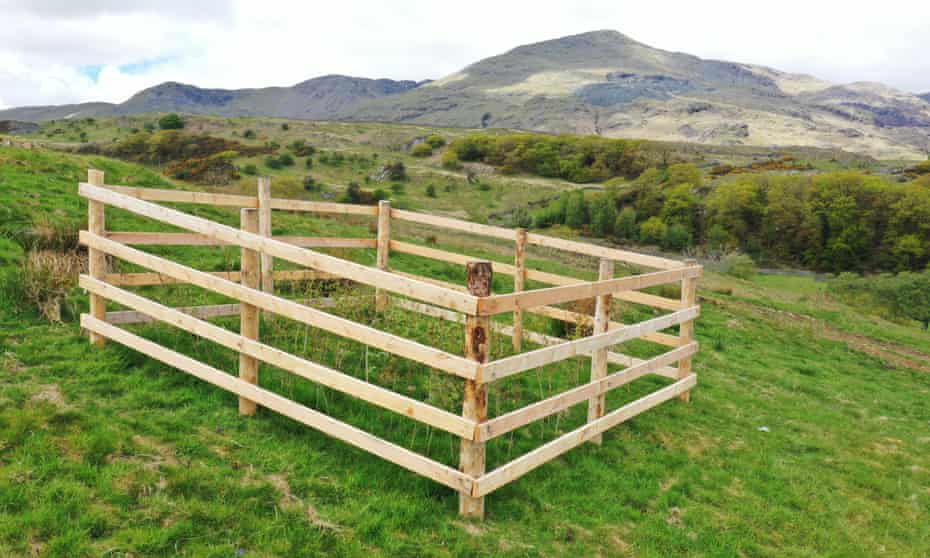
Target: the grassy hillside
(807, 434)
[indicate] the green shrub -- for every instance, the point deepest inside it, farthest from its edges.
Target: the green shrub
(450, 161)
(573, 158)
(905, 295)
(310, 184)
(738, 265)
(603, 216)
(171, 122)
(677, 237)
(436, 141)
(273, 162)
(521, 218)
(625, 226)
(653, 231)
(309, 163)
(215, 169)
(431, 191)
(286, 160)
(250, 170)
(576, 210)
(421, 150)
(395, 171)
(249, 134)
(285, 126)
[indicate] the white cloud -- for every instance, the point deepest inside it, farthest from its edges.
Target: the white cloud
(51, 51)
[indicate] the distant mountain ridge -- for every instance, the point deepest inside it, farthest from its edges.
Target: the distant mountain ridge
(601, 82)
(317, 98)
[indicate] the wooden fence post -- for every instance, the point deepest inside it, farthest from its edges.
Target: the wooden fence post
(384, 248)
(686, 330)
(96, 260)
(599, 357)
(475, 403)
(264, 229)
(249, 316)
(519, 283)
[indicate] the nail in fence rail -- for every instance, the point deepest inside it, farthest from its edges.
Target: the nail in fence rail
(472, 306)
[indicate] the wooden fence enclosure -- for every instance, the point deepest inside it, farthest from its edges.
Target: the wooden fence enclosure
(473, 306)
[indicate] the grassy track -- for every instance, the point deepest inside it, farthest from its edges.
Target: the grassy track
(104, 452)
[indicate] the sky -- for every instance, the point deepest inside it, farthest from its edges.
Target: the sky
(66, 51)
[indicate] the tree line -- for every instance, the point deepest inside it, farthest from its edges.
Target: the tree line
(840, 221)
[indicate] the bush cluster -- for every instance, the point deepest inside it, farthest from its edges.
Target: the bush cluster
(574, 158)
(904, 295)
(841, 221)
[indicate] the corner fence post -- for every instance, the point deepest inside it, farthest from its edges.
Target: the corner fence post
(249, 316)
(96, 260)
(519, 283)
(686, 329)
(264, 229)
(475, 403)
(599, 357)
(384, 249)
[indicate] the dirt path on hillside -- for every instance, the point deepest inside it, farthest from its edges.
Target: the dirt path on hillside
(890, 353)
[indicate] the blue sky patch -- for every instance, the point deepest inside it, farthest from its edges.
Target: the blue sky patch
(145, 65)
(93, 72)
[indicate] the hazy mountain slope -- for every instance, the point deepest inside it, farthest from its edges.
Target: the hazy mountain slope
(925, 97)
(55, 112)
(600, 82)
(317, 98)
(606, 83)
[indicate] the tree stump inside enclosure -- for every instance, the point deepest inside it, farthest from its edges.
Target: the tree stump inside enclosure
(686, 329)
(475, 403)
(249, 316)
(96, 260)
(599, 357)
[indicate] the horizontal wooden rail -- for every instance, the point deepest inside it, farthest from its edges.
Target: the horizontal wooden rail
(602, 252)
(301, 256)
(497, 304)
(567, 399)
(588, 321)
(397, 345)
(540, 357)
(407, 459)
(323, 207)
(184, 196)
(522, 465)
(312, 371)
(454, 224)
(154, 278)
(232, 200)
(535, 337)
(126, 317)
(192, 239)
(532, 274)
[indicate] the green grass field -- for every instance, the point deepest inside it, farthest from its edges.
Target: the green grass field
(808, 434)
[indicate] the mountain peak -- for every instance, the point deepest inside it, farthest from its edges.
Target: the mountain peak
(591, 40)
